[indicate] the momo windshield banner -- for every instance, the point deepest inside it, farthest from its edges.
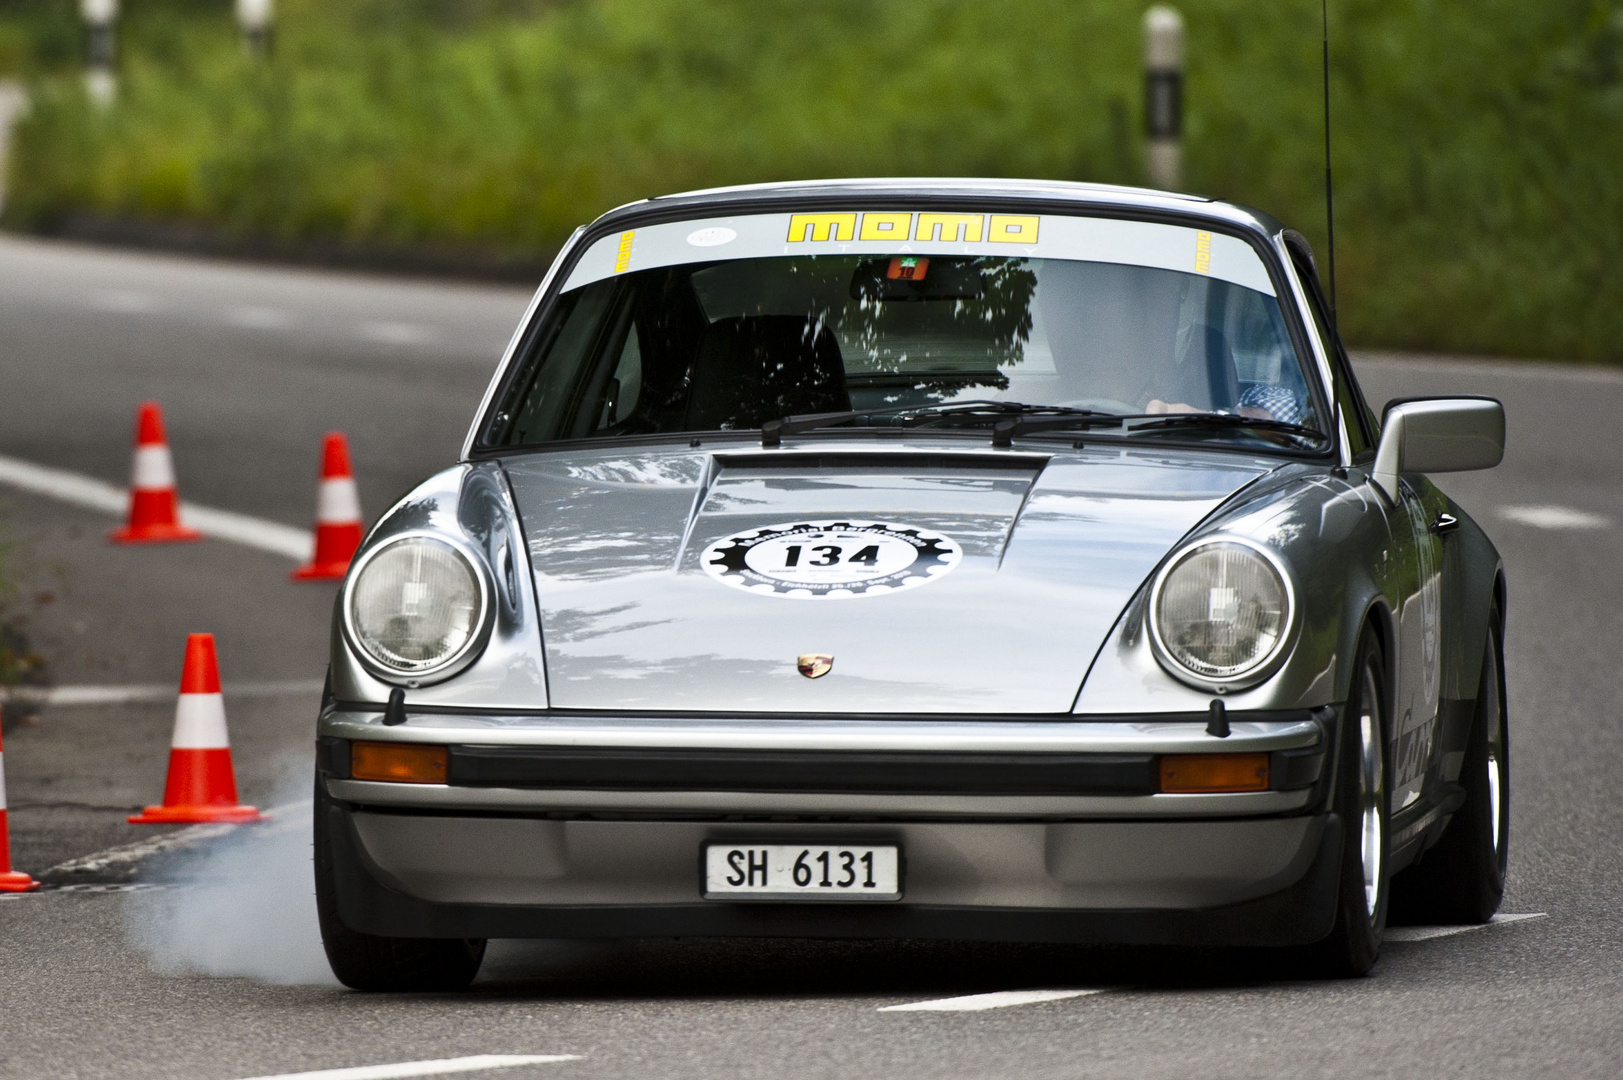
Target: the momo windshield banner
(925, 233)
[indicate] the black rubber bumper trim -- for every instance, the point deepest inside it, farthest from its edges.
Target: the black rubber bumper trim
(1297, 915)
(587, 768)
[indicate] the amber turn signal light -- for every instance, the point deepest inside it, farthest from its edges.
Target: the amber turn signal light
(1190, 773)
(401, 763)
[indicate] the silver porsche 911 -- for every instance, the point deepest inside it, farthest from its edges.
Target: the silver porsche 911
(991, 560)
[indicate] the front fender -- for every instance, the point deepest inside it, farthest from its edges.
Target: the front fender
(470, 503)
(1334, 536)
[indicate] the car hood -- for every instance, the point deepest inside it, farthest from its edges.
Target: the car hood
(1051, 550)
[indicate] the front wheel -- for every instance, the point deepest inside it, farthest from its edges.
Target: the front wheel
(1362, 805)
(371, 962)
(1461, 879)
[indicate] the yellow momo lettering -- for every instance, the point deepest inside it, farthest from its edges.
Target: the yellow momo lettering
(886, 226)
(1013, 229)
(821, 227)
(622, 258)
(1203, 253)
(951, 228)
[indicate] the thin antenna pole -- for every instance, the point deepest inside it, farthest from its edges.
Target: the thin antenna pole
(1329, 199)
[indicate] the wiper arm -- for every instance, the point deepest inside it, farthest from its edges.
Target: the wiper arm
(1058, 418)
(773, 431)
(1007, 431)
(1172, 420)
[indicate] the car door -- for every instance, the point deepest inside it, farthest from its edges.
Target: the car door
(1410, 573)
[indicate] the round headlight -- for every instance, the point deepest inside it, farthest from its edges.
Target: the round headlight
(415, 605)
(1220, 612)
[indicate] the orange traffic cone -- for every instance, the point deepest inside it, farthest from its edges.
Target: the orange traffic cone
(338, 515)
(201, 785)
(154, 506)
(10, 880)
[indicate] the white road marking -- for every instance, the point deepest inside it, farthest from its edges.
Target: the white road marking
(1427, 933)
(258, 318)
(127, 854)
(1554, 517)
(151, 692)
(252, 532)
(125, 301)
(426, 1068)
(1001, 999)
(395, 333)
(68, 487)
(94, 494)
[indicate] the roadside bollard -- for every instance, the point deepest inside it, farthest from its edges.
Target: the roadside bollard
(254, 16)
(100, 45)
(1163, 96)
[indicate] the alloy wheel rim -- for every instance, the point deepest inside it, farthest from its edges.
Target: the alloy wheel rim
(1371, 791)
(1494, 720)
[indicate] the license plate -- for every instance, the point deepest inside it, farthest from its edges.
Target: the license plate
(802, 872)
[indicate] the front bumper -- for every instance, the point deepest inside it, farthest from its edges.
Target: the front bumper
(1036, 829)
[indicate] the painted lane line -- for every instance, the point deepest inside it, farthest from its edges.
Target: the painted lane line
(129, 854)
(152, 692)
(1554, 517)
(1428, 933)
(252, 532)
(395, 333)
(64, 486)
(94, 494)
(126, 302)
(281, 818)
(1001, 999)
(258, 318)
(426, 1068)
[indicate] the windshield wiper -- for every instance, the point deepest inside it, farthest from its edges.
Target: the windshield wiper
(1006, 431)
(1161, 422)
(773, 431)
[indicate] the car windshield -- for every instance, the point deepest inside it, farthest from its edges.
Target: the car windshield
(721, 324)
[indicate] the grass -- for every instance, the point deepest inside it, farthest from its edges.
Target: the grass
(1477, 146)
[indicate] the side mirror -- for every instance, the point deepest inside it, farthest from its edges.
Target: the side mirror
(1438, 435)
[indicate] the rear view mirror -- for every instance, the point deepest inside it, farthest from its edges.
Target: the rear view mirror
(1438, 435)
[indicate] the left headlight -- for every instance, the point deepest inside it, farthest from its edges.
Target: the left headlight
(1220, 613)
(415, 608)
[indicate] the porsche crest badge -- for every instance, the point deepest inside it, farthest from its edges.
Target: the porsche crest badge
(815, 665)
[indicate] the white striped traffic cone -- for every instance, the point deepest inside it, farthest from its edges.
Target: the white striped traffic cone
(338, 515)
(10, 880)
(201, 785)
(154, 505)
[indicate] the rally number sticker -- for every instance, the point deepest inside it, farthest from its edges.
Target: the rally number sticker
(832, 560)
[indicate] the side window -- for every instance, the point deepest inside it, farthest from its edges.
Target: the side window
(624, 387)
(540, 406)
(1361, 429)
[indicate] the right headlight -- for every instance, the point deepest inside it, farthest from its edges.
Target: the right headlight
(416, 608)
(1220, 613)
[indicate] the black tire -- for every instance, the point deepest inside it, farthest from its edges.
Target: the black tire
(1363, 806)
(1461, 879)
(387, 964)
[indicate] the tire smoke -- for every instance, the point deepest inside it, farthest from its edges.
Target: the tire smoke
(243, 905)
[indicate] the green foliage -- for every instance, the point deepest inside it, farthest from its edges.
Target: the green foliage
(1477, 145)
(20, 664)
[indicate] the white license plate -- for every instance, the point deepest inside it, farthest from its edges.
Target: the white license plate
(802, 872)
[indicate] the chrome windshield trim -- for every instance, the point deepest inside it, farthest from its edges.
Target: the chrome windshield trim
(780, 733)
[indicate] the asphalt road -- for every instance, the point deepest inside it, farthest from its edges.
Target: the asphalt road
(222, 978)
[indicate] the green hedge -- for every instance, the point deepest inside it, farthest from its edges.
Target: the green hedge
(1478, 146)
